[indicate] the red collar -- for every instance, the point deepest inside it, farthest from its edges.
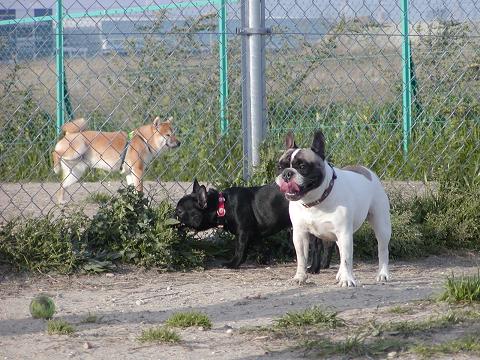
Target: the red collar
(221, 207)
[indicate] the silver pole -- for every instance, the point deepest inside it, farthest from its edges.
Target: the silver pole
(256, 77)
(247, 135)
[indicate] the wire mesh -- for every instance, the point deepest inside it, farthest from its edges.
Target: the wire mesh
(125, 63)
(338, 65)
(335, 65)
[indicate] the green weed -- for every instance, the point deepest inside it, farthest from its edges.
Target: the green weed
(355, 345)
(468, 344)
(59, 327)
(189, 319)
(43, 243)
(410, 327)
(159, 334)
(400, 310)
(462, 289)
(91, 319)
(128, 228)
(139, 233)
(98, 198)
(314, 316)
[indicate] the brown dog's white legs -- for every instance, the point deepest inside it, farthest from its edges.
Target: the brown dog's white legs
(70, 177)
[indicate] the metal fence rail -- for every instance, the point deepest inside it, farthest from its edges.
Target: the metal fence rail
(409, 109)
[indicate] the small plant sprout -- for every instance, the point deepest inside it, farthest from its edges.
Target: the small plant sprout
(189, 319)
(159, 334)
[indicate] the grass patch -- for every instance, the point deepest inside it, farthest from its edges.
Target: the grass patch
(91, 319)
(355, 345)
(314, 316)
(189, 319)
(469, 343)
(128, 229)
(159, 334)
(410, 327)
(400, 310)
(462, 289)
(98, 198)
(59, 327)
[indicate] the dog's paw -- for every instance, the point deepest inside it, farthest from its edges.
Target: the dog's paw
(345, 279)
(299, 279)
(383, 276)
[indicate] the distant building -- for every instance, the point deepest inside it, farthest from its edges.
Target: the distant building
(26, 41)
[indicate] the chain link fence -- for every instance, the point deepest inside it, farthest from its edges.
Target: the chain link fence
(335, 65)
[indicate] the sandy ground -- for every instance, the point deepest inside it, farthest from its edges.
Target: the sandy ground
(132, 300)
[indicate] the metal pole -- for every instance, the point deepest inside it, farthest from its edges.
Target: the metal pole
(256, 77)
(407, 95)
(246, 132)
(59, 63)
(222, 50)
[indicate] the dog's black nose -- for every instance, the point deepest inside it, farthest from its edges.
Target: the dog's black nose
(287, 174)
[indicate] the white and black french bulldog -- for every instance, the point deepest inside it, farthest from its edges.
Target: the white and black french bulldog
(332, 203)
(250, 213)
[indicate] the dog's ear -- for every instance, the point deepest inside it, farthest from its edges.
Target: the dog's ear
(202, 197)
(196, 186)
(290, 141)
(169, 120)
(157, 121)
(318, 145)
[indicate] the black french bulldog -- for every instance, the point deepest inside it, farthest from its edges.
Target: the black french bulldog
(250, 213)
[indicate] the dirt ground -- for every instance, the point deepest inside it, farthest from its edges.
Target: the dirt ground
(131, 300)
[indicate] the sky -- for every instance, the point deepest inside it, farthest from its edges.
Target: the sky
(385, 10)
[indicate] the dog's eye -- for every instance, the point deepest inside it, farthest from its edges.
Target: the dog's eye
(301, 166)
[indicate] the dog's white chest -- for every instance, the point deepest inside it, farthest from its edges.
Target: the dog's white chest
(323, 230)
(320, 225)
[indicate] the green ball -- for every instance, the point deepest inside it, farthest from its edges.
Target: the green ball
(42, 307)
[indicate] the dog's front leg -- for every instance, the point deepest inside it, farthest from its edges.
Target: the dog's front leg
(301, 240)
(345, 248)
(240, 251)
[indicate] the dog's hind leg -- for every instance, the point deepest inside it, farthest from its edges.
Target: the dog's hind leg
(70, 177)
(379, 219)
(315, 254)
(240, 251)
(326, 257)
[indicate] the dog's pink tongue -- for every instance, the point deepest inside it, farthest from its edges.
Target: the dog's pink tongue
(283, 186)
(289, 187)
(293, 187)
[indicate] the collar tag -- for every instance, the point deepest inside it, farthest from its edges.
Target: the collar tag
(221, 205)
(221, 210)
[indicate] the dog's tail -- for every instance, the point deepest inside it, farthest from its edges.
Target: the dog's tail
(72, 127)
(75, 126)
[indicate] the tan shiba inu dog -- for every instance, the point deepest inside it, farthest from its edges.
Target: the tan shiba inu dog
(130, 153)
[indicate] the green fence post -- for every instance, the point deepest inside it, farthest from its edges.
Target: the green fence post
(407, 95)
(59, 63)
(223, 66)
